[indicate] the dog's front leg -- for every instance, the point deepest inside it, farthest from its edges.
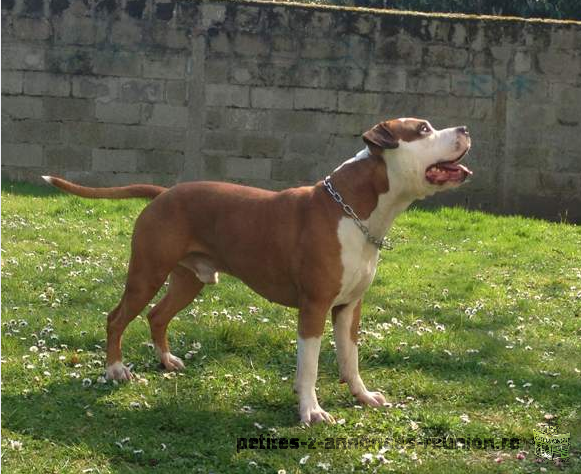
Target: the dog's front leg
(311, 325)
(345, 327)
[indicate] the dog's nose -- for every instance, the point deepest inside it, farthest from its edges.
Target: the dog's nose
(463, 130)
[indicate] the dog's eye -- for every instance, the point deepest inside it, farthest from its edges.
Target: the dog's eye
(424, 128)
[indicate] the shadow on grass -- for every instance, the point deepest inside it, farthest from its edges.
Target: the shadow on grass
(176, 434)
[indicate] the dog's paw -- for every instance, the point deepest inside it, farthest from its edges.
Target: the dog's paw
(315, 414)
(373, 399)
(118, 371)
(171, 362)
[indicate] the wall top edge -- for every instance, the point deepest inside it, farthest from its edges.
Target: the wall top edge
(393, 12)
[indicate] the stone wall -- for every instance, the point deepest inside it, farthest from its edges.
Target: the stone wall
(108, 92)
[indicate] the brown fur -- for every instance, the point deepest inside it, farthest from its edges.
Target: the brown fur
(387, 134)
(283, 245)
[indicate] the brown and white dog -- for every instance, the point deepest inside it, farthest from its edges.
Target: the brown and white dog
(295, 247)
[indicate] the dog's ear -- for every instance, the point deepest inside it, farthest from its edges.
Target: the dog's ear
(380, 137)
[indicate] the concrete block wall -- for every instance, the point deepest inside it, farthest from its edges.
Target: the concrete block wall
(277, 95)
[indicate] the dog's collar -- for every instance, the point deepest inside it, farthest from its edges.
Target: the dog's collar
(381, 244)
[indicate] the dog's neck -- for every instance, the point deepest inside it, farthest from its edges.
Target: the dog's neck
(364, 183)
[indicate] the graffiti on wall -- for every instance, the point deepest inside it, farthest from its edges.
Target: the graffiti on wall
(485, 85)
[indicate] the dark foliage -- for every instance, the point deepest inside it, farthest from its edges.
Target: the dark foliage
(557, 9)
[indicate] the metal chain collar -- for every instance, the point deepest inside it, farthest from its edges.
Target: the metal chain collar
(379, 243)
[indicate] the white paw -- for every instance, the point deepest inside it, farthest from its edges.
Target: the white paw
(373, 399)
(315, 414)
(118, 371)
(171, 362)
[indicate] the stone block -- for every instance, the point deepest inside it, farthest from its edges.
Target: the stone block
(526, 115)
(303, 121)
(294, 121)
(560, 65)
(445, 57)
(109, 135)
(565, 37)
(261, 145)
(341, 78)
(114, 160)
(315, 99)
(271, 98)
(164, 11)
(216, 71)
(249, 19)
(68, 158)
(220, 43)
(428, 83)
(247, 119)
(69, 60)
(295, 170)
(164, 66)
(522, 62)
(127, 32)
(315, 48)
(386, 78)
(165, 115)
(227, 95)
(32, 131)
(22, 154)
(565, 94)
(166, 138)
(42, 83)
(65, 108)
(344, 147)
(70, 29)
(557, 208)
(117, 63)
(172, 38)
(35, 29)
(356, 102)
(307, 143)
(141, 90)
(212, 13)
(12, 82)
(401, 50)
(568, 114)
(86, 134)
(356, 124)
(213, 167)
(176, 92)
(250, 45)
(105, 89)
(23, 56)
(161, 161)
(242, 168)
(22, 107)
(221, 141)
(285, 46)
(117, 112)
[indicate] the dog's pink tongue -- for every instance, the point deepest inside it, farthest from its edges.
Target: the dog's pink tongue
(455, 167)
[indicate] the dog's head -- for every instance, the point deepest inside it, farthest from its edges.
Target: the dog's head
(426, 160)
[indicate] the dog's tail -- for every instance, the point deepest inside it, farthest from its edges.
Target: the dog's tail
(123, 192)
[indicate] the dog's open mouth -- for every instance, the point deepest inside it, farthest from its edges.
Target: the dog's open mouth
(448, 171)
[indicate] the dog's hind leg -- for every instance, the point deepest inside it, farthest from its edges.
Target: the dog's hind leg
(144, 280)
(183, 288)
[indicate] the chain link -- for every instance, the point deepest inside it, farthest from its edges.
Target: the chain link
(379, 243)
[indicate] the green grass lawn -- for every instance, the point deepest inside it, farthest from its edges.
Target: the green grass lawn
(471, 328)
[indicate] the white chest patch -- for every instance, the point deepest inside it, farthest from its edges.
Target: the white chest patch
(359, 260)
